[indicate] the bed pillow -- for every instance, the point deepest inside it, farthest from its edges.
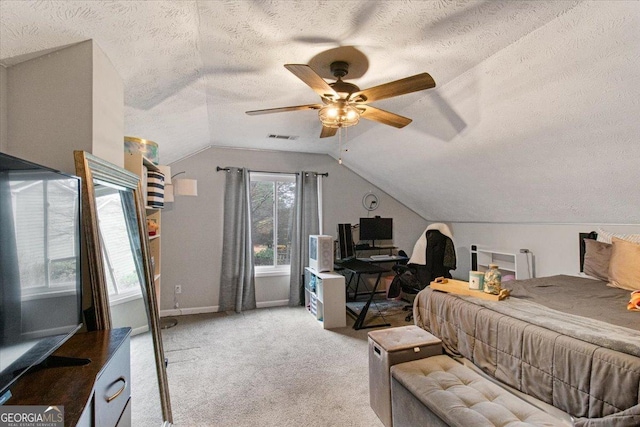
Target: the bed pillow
(596, 259)
(606, 236)
(624, 265)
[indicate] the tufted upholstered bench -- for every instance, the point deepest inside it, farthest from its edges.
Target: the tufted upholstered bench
(438, 391)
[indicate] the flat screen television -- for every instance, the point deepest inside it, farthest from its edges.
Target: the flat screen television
(376, 229)
(40, 278)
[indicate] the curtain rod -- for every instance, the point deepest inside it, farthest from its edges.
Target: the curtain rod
(218, 169)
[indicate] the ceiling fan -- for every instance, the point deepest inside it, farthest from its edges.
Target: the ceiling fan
(343, 104)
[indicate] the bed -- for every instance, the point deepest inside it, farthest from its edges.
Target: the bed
(568, 341)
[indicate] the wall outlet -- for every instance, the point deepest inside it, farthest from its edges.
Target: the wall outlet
(178, 289)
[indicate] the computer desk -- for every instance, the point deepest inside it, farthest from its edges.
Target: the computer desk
(385, 258)
(380, 259)
(357, 268)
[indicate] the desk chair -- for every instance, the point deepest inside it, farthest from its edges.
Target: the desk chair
(440, 257)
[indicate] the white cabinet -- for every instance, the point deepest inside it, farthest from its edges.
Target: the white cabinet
(518, 262)
(324, 298)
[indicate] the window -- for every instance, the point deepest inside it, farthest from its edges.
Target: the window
(123, 280)
(272, 215)
(46, 227)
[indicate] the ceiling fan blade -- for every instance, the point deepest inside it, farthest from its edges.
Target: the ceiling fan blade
(327, 132)
(313, 80)
(399, 87)
(384, 117)
(284, 109)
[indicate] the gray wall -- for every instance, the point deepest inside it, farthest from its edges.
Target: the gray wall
(192, 226)
(108, 109)
(132, 314)
(38, 315)
(66, 100)
(554, 246)
(60, 100)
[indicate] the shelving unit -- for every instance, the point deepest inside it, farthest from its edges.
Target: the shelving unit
(324, 298)
(518, 263)
(138, 164)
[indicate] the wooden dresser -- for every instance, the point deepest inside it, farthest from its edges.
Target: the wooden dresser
(95, 394)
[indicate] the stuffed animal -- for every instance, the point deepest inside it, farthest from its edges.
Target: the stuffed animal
(634, 302)
(152, 227)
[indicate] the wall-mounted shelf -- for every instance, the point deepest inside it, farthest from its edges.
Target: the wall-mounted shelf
(517, 263)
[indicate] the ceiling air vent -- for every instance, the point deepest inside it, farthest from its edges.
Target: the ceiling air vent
(289, 137)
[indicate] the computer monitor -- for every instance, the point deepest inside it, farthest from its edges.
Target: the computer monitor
(345, 239)
(376, 229)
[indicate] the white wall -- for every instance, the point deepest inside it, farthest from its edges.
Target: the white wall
(49, 107)
(551, 129)
(192, 226)
(108, 109)
(555, 247)
(66, 100)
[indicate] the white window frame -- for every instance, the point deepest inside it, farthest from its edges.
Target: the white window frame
(272, 270)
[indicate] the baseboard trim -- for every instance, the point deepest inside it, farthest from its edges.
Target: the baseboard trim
(267, 304)
(139, 330)
(192, 310)
(216, 308)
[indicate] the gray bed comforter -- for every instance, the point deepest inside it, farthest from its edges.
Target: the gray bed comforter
(585, 367)
(580, 296)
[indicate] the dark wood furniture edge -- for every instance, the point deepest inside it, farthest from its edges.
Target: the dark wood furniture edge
(70, 386)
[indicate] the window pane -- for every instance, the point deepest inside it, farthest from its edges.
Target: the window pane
(61, 229)
(286, 198)
(262, 225)
(30, 231)
(117, 253)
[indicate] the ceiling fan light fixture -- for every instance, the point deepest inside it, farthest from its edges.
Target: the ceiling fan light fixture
(339, 115)
(344, 103)
(332, 112)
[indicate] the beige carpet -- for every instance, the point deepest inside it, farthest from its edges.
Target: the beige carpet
(269, 367)
(145, 395)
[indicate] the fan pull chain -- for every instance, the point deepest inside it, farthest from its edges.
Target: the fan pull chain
(340, 145)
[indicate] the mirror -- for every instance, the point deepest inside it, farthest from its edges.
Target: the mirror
(120, 271)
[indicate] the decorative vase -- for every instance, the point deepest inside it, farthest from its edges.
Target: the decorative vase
(493, 280)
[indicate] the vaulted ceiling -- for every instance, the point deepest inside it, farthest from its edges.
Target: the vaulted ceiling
(534, 117)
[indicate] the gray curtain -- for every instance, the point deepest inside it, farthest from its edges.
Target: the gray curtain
(237, 283)
(306, 223)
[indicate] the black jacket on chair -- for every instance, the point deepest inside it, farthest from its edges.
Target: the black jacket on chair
(440, 258)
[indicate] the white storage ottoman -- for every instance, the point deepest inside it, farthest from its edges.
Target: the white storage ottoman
(388, 347)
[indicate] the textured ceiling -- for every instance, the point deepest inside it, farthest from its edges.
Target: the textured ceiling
(515, 100)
